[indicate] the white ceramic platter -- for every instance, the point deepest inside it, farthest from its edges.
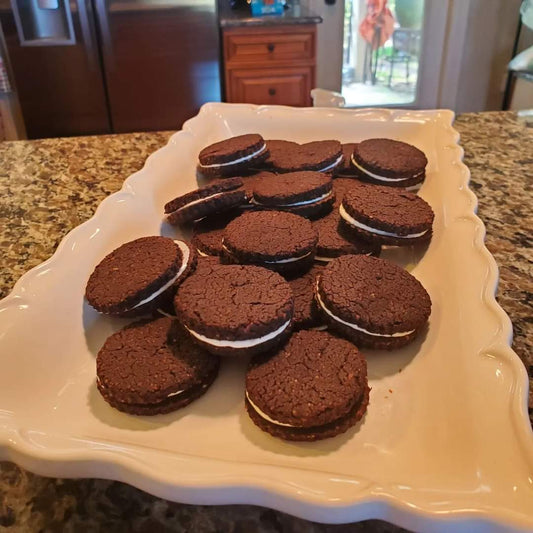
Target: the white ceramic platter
(446, 444)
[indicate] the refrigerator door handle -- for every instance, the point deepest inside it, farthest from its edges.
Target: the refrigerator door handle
(103, 22)
(87, 35)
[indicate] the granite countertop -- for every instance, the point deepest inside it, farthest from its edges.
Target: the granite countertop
(50, 186)
(242, 16)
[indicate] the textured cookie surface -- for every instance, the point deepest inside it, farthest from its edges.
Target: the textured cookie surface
(333, 240)
(228, 150)
(207, 233)
(341, 186)
(231, 156)
(373, 294)
(217, 196)
(286, 156)
(153, 367)
(346, 169)
(132, 272)
(390, 159)
(270, 235)
(234, 302)
(306, 313)
(314, 380)
(391, 210)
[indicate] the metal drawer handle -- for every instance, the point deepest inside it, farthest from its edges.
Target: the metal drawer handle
(272, 91)
(271, 47)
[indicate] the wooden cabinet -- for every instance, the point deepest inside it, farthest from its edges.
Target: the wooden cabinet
(270, 65)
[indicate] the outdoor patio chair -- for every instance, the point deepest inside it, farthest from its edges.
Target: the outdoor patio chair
(405, 48)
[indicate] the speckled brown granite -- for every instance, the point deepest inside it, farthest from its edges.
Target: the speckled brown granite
(48, 187)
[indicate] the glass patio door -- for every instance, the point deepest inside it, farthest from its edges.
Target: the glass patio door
(382, 51)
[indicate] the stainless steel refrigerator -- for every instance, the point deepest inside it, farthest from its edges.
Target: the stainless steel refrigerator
(103, 66)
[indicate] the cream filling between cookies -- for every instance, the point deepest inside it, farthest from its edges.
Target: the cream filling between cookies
(382, 178)
(248, 343)
(175, 393)
(185, 261)
(199, 201)
(265, 416)
(290, 260)
(355, 326)
(296, 204)
(358, 224)
(235, 161)
(333, 165)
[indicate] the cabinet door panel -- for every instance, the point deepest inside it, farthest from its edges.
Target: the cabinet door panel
(290, 86)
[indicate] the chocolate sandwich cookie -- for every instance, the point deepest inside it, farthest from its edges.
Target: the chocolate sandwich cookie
(372, 302)
(150, 368)
(333, 241)
(389, 162)
(218, 196)
(306, 313)
(305, 193)
(287, 156)
(250, 181)
(207, 233)
(277, 240)
(341, 186)
(346, 169)
(313, 388)
(139, 276)
(235, 309)
(385, 215)
(232, 156)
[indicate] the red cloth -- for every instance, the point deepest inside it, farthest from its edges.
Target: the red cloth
(378, 17)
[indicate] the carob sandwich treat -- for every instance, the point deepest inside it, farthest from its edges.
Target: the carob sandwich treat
(389, 162)
(217, 196)
(333, 240)
(235, 309)
(305, 193)
(232, 156)
(315, 387)
(306, 313)
(250, 181)
(277, 240)
(385, 215)
(207, 233)
(139, 276)
(150, 368)
(346, 169)
(372, 302)
(287, 156)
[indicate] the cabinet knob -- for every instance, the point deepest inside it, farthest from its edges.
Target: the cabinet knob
(272, 91)
(271, 47)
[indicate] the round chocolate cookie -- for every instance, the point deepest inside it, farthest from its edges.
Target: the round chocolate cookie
(277, 240)
(313, 388)
(150, 368)
(139, 276)
(305, 193)
(332, 240)
(232, 156)
(207, 233)
(389, 162)
(250, 181)
(372, 302)
(287, 156)
(385, 215)
(306, 312)
(346, 169)
(219, 195)
(235, 309)
(340, 187)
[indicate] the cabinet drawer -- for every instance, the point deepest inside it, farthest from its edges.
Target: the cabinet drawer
(269, 45)
(282, 86)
